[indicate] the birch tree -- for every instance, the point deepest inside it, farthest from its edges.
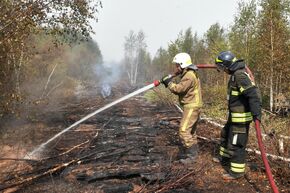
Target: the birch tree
(135, 52)
(273, 43)
(19, 19)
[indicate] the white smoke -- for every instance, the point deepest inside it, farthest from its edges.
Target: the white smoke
(107, 75)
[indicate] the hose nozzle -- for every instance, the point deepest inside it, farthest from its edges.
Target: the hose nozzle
(156, 83)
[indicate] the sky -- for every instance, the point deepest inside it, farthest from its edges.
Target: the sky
(160, 20)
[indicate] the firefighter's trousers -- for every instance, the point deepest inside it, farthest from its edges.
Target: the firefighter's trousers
(234, 138)
(187, 129)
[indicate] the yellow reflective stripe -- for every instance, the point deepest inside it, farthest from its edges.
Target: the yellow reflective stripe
(192, 105)
(235, 59)
(223, 149)
(239, 168)
(218, 60)
(241, 120)
(224, 152)
(242, 89)
(184, 126)
(238, 165)
(241, 115)
(235, 93)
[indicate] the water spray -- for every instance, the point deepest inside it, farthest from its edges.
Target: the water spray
(37, 152)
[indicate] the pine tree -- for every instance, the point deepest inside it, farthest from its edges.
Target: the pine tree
(242, 37)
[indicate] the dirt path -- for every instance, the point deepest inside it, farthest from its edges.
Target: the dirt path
(131, 147)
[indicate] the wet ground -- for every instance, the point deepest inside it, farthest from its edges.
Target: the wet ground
(132, 147)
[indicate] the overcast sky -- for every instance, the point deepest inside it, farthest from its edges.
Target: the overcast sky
(161, 20)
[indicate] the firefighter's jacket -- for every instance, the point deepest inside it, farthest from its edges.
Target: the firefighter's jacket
(188, 89)
(244, 101)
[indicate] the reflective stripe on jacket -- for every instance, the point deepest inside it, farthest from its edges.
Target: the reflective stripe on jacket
(240, 107)
(188, 89)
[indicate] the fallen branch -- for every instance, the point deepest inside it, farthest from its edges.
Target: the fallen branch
(176, 182)
(247, 149)
(30, 179)
(18, 159)
(57, 168)
(66, 152)
(181, 179)
(276, 157)
(48, 80)
(55, 87)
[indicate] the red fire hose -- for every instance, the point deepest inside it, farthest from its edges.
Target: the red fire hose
(206, 66)
(264, 158)
(214, 66)
(258, 133)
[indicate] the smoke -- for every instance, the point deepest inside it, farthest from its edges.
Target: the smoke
(106, 90)
(108, 72)
(107, 75)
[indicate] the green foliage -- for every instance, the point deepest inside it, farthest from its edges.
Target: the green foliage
(22, 59)
(216, 39)
(273, 58)
(277, 124)
(160, 64)
(243, 33)
(161, 95)
(215, 103)
(199, 54)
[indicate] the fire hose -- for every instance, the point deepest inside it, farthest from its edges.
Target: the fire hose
(258, 133)
(264, 158)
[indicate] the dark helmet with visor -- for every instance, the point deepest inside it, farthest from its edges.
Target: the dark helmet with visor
(225, 60)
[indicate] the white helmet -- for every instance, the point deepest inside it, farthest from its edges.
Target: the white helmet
(183, 59)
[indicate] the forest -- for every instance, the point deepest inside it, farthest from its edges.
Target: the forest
(38, 40)
(47, 54)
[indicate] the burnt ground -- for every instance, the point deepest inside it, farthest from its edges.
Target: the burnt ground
(131, 147)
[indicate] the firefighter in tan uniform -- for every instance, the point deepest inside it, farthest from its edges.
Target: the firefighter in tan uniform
(189, 93)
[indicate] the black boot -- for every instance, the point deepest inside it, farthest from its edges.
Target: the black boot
(232, 176)
(224, 161)
(181, 153)
(191, 155)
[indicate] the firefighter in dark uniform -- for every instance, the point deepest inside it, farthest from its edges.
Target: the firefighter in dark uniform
(244, 105)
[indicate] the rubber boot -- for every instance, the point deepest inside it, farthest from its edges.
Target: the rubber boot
(191, 155)
(181, 153)
(224, 161)
(232, 176)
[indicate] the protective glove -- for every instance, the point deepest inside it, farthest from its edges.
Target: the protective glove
(166, 80)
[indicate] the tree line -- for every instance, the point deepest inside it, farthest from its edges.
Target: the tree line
(46, 45)
(43, 45)
(260, 34)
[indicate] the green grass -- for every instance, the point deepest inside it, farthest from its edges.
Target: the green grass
(161, 95)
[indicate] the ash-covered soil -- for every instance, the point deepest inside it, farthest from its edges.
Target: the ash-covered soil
(131, 147)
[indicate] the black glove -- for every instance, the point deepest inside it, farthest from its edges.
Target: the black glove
(166, 80)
